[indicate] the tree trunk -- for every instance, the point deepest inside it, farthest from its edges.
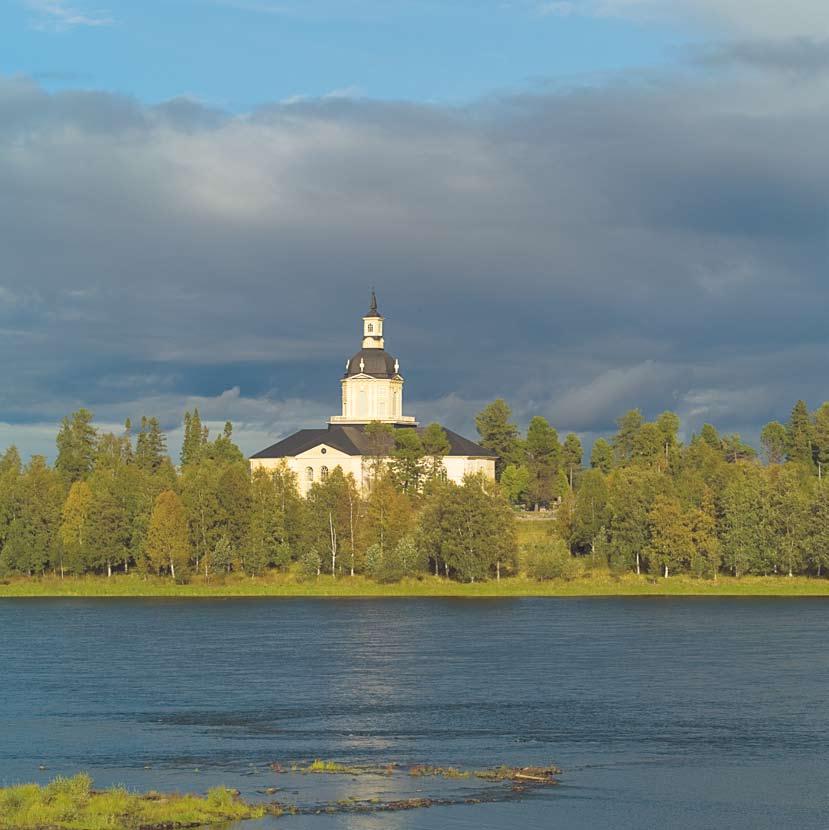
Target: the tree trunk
(109, 569)
(333, 533)
(638, 571)
(498, 570)
(351, 527)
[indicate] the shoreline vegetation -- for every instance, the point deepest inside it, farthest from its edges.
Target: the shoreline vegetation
(285, 586)
(73, 804)
(649, 514)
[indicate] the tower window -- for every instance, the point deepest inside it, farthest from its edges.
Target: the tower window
(323, 473)
(309, 474)
(371, 326)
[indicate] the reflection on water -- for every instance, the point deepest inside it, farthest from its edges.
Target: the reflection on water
(680, 713)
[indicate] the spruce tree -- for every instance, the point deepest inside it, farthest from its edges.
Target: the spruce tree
(800, 435)
(499, 434)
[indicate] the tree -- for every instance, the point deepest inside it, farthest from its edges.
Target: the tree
(668, 424)
(590, 514)
(273, 509)
(624, 442)
(32, 540)
(705, 560)
(151, 446)
(200, 493)
(476, 532)
(436, 447)
(499, 434)
(108, 535)
(821, 437)
(389, 514)
(743, 535)
(800, 435)
(789, 497)
(76, 444)
(774, 439)
(818, 530)
(233, 496)
(632, 493)
(601, 457)
(671, 545)
(195, 439)
(649, 446)
(543, 457)
(379, 444)
(331, 506)
(408, 461)
(734, 449)
(571, 456)
(74, 527)
(515, 483)
(223, 450)
(710, 436)
(550, 560)
(404, 560)
(168, 542)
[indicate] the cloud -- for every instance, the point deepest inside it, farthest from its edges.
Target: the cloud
(657, 242)
(753, 18)
(799, 57)
(58, 15)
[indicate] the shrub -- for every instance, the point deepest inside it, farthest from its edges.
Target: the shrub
(550, 560)
(309, 564)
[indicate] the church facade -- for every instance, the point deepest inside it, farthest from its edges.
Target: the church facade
(371, 390)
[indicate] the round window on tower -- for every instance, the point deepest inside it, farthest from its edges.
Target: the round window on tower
(323, 451)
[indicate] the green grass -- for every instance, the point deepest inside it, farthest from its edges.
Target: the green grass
(72, 804)
(598, 583)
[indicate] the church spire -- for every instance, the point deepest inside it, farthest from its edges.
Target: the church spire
(372, 312)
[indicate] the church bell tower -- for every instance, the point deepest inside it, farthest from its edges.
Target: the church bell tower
(372, 387)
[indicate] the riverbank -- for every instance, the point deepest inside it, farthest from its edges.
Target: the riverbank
(281, 585)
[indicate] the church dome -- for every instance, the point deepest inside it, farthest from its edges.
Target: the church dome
(375, 362)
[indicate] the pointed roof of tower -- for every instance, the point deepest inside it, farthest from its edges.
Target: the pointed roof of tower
(373, 312)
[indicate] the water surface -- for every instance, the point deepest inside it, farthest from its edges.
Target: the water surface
(681, 713)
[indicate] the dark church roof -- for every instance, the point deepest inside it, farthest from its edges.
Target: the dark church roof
(376, 362)
(351, 440)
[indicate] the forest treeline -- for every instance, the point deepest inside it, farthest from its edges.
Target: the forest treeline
(644, 502)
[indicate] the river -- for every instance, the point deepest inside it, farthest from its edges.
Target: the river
(663, 713)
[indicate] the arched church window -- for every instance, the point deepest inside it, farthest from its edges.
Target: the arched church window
(309, 474)
(323, 473)
(371, 326)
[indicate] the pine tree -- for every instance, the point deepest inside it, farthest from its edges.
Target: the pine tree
(195, 438)
(76, 444)
(151, 446)
(774, 439)
(499, 434)
(601, 456)
(543, 459)
(571, 456)
(800, 438)
(624, 442)
(408, 465)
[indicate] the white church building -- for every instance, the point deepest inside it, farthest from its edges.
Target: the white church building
(372, 390)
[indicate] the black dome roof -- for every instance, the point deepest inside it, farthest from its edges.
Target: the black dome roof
(376, 362)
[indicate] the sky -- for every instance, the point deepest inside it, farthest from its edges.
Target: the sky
(581, 206)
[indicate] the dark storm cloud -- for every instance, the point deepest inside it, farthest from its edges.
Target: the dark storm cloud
(659, 242)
